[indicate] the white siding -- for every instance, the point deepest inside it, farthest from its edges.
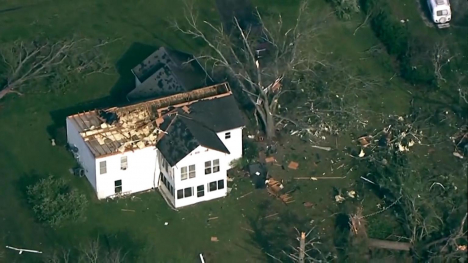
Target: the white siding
(141, 174)
(234, 144)
(198, 157)
(86, 158)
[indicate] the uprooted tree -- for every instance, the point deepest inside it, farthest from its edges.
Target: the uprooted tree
(258, 59)
(23, 64)
(270, 58)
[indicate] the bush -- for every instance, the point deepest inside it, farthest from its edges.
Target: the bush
(345, 8)
(396, 38)
(54, 202)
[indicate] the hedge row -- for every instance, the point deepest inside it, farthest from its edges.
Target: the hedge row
(396, 38)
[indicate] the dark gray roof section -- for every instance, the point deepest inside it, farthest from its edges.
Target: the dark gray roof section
(183, 136)
(220, 114)
(167, 72)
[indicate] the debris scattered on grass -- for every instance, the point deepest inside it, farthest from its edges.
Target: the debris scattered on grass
(362, 153)
(242, 196)
(52, 141)
(270, 159)
(322, 148)
(229, 189)
(457, 154)
(352, 194)
(230, 179)
(127, 210)
(212, 218)
(319, 178)
(367, 180)
(272, 215)
(246, 229)
(293, 165)
(339, 199)
(214, 239)
(308, 204)
(166, 223)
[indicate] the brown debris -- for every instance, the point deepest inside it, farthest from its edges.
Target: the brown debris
(186, 109)
(308, 204)
(270, 159)
(214, 239)
(293, 165)
(364, 140)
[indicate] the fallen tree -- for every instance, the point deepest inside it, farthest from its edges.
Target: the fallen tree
(28, 63)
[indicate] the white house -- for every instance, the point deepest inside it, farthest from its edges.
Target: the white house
(182, 144)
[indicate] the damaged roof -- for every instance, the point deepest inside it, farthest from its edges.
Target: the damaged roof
(203, 112)
(167, 72)
(183, 136)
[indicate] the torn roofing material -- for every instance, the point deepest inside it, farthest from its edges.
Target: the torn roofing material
(136, 126)
(167, 72)
(183, 136)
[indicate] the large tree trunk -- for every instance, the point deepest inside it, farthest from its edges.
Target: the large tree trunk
(270, 127)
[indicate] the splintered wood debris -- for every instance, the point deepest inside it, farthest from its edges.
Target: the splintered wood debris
(270, 159)
(293, 165)
(121, 129)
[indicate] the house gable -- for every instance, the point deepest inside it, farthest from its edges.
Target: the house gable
(184, 135)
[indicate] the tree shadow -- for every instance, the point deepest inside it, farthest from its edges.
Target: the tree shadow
(24, 181)
(274, 235)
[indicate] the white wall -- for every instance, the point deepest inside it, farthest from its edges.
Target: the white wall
(234, 144)
(142, 172)
(198, 157)
(86, 158)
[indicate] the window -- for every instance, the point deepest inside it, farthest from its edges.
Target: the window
(213, 186)
(192, 171)
(227, 135)
(208, 167)
(220, 184)
(184, 193)
(102, 167)
(216, 185)
(118, 186)
(183, 173)
(200, 190)
(188, 192)
(123, 163)
(216, 166)
(442, 13)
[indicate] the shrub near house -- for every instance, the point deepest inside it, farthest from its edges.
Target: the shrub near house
(54, 202)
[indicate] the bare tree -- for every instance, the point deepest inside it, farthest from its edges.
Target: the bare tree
(259, 59)
(26, 63)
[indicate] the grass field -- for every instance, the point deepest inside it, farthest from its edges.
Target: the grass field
(27, 124)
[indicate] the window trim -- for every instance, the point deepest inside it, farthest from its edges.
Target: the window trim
(183, 191)
(118, 186)
(102, 167)
(192, 171)
(208, 167)
(218, 166)
(220, 182)
(202, 191)
(183, 175)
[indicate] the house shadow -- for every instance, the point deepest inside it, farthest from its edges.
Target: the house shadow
(136, 53)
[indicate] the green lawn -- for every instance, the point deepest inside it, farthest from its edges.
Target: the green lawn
(26, 125)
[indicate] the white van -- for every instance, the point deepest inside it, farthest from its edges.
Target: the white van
(440, 12)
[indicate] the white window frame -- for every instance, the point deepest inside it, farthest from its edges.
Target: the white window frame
(191, 171)
(123, 163)
(215, 165)
(117, 186)
(102, 167)
(183, 193)
(216, 183)
(183, 173)
(208, 167)
(201, 193)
